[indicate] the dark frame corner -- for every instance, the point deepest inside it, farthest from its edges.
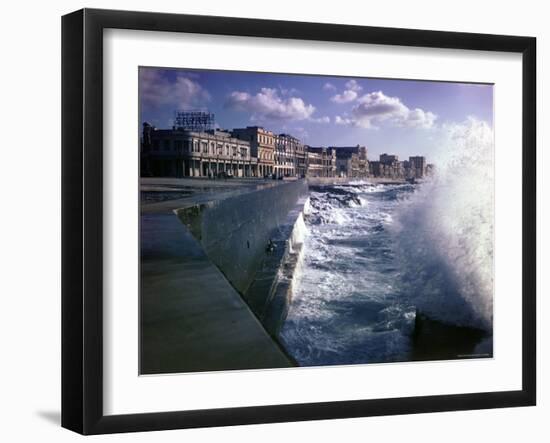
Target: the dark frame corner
(82, 70)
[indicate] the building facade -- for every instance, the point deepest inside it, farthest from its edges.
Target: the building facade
(286, 147)
(388, 159)
(301, 160)
(321, 162)
(182, 153)
(389, 166)
(256, 152)
(417, 166)
(351, 161)
(262, 146)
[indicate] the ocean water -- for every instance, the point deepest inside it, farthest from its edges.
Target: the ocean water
(376, 255)
(346, 307)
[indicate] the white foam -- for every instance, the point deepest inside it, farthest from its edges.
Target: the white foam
(445, 231)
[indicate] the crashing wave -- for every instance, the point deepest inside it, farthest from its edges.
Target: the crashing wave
(444, 233)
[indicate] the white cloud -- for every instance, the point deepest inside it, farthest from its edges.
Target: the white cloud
(324, 119)
(268, 104)
(329, 87)
(156, 90)
(420, 118)
(353, 86)
(376, 107)
(339, 120)
(350, 93)
(345, 97)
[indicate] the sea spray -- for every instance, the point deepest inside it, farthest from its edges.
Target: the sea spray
(375, 255)
(444, 232)
(299, 233)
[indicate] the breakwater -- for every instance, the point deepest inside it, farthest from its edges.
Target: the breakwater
(191, 318)
(194, 235)
(251, 238)
(270, 293)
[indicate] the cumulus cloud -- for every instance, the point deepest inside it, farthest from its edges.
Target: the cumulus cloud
(268, 104)
(329, 87)
(345, 97)
(350, 93)
(420, 118)
(376, 107)
(157, 90)
(352, 85)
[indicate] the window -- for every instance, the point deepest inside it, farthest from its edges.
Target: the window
(166, 144)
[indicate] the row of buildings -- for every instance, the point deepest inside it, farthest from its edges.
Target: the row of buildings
(196, 150)
(389, 166)
(242, 152)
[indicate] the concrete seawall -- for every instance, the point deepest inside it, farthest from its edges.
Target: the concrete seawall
(210, 292)
(269, 295)
(191, 318)
(235, 232)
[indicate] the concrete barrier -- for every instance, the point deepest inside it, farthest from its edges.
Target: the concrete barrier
(269, 295)
(191, 318)
(235, 231)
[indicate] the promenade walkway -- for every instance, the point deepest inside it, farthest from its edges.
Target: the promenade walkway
(192, 319)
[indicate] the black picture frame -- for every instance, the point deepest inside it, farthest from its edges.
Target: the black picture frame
(82, 215)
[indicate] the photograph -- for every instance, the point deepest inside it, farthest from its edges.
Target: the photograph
(294, 220)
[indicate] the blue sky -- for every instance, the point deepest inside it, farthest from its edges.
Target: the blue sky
(403, 117)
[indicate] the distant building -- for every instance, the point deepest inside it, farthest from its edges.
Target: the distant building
(314, 163)
(286, 147)
(388, 166)
(321, 162)
(417, 166)
(375, 169)
(301, 160)
(388, 159)
(351, 161)
(193, 148)
(183, 153)
(262, 145)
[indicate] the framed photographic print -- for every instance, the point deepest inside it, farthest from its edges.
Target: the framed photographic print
(269, 221)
